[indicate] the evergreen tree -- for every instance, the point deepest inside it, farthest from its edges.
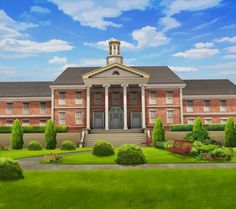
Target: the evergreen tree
(198, 124)
(158, 133)
(17, 135)
(230, 135)
(50, 135)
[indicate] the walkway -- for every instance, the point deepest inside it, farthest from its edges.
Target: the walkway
(33, 163)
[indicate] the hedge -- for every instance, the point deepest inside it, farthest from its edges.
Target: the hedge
(33, 129)
(189, 127)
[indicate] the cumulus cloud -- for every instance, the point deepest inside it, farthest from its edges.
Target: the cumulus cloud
(201, 50)
(227, 39)
(231, 49)
(58, 60)
(183, 69)
(39, 10)
(95, 13)
(169, 23)
(144, 37)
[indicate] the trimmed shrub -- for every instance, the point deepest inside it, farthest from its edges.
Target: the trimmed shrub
(198, 135)
(198, 124)
(17, 135)
(221, 153)
(62, 129)
(160, 144)
(34, 145)
(10, 169)
(130, 154)
(158, 132)
(181, 127)
(230, 133)
(5, 129)
(68, 145)
(103, 148)
(50, 135)
(214, 127)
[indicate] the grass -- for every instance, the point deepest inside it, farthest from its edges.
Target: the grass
(16, 154)
(126, 189)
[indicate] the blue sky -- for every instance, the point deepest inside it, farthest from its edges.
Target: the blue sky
(40, 38)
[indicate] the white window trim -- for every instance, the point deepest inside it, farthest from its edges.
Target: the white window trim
(62, 101)
(205, 120)
(78, 121)
(152, 121)
(43, 111)
(223, 108)
(168, 118)
(78, 100)
(59, 120)
(193, 119)
(207, 108)
(189, 109)
(169, 99)
(26, 110)
(9, 111)
(25, 124)
(152, 100)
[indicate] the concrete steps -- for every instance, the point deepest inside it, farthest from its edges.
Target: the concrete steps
(116, 137)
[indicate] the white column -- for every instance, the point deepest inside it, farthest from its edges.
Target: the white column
(181, 106)
(106, 106)
(125, 105)
(52, 104)
(88, 107)
(143, 106)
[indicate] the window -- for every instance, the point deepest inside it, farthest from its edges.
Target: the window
(170, 116)
(223, 106)
(223, 120)
(208, 120)
(115, 73)
(115, 98)
(9, 122)
(189, 105)
(152, 116)
(133, 98)
(97, 98)
(169, 97)
(25, 108)
(206, 105)
(62, 118)
(78, 118)
(9, 108)
(152, 97)
(42, 107)
(78, 98)
(62, 98)
(191, 120)
(42, 122)
(25, 123)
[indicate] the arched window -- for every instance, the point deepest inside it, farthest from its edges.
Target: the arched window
(115, 73)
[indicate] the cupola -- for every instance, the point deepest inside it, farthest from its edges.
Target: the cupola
(114, 52)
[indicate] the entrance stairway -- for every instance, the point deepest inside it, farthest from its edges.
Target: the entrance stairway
(116, 137)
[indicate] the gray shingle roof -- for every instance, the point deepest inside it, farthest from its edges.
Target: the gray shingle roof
(25, 89)
(158, 75)
(209, 87)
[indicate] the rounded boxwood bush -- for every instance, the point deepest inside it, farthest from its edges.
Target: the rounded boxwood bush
(221, 153)
(130, 154)
(68, 145)
(10, 169)
(34, 145)
(103, 148)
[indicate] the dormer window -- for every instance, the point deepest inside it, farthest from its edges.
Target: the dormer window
(115, 73)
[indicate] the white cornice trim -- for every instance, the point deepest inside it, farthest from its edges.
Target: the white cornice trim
(32, 99)
(67, 87)
(25, 116)
(209, 96)
(210, 113)
(166, 86)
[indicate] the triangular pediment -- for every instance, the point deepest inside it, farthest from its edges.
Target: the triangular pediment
(116, 71)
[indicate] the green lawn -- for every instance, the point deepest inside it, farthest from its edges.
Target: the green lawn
(15, 154)
(126, 189)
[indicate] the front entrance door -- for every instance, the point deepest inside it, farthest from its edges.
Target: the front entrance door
(98, 120)
(136, 119)
(116, 118)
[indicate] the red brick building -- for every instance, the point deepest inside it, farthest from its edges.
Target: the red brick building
(117, 96)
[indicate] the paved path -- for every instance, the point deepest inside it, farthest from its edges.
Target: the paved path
(33, 163)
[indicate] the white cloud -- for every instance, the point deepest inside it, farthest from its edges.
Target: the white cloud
(27, 46)
(227, 72)
(230, 56)
(144, 37)
(39, 10)
(58, 60)
(227, 39)
(204, 45)
(169, 23)
(7, 71)
(231, 49)
(201, 50)
(183, 69)
(223, 65)
(94, 13)
(177, 6)
(15, 56)
(204, 25)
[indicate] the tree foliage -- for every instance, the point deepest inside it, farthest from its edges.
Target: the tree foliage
(50, 135)
(230, 133)
(17, 135)
(198, 124)
(158, 133)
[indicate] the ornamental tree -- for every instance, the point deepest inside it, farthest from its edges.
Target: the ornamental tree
(198, 124)
(50, 135)
(230, 133)
(158, 133)
(17, 135)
